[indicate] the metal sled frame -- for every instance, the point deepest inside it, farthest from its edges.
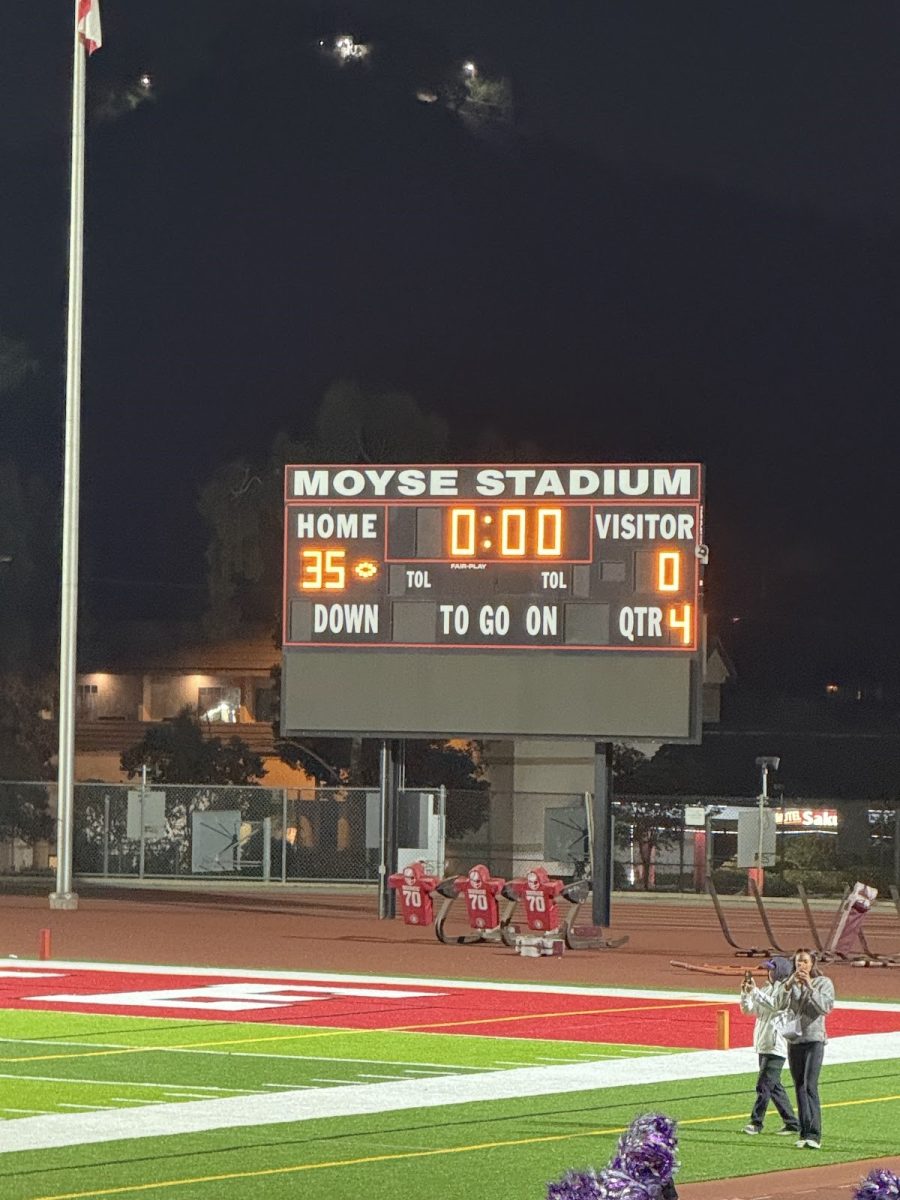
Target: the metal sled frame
(764, 916)
(448, 891)
(740, 951)
(864, 957)
(585, 937)
(580, 937)
(873, 959)
(822, 954)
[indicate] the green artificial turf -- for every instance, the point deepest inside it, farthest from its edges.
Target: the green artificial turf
(503, 1148)
(51, 1062)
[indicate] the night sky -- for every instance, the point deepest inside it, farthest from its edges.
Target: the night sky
(682, 244)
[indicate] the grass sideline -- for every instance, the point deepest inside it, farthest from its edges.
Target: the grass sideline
(477, 1147)
(57, 1062)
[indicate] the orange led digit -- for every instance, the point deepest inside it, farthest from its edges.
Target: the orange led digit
(335, 570)
(549, 532)
(323, 570)
(682, 624)
(462, 532)
(668, 571)
(512, 532)
(311, 572)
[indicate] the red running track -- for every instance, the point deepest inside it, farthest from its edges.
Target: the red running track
(395, 1005)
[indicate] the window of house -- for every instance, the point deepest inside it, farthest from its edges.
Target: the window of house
(219, 704)
(85, 699)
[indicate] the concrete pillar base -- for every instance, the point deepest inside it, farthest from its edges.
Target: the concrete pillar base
(64, 900)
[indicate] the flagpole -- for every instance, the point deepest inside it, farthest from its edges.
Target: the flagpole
(64, 897)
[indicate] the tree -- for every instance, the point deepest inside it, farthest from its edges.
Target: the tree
(27, 737)
(242, 504)
(178, 752)
(27, 744)
(458, 768)
(25, 813)
(649, 823)
(354, 763)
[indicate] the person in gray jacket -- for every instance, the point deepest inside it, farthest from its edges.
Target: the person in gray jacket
(808, 997)
(766, 1004)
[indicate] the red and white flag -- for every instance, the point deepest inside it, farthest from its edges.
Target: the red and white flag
(89, 24)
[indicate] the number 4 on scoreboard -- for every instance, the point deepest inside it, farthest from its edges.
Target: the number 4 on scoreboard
(681, 623)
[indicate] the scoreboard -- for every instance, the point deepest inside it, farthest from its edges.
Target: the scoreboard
(442, 585)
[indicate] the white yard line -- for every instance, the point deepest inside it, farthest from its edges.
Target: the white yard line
(197, 1087)
(17, 973)
(88, 1107)
(51, 1042)
(405, 981)
(276, 1108)
(552, 1058)
(375, 1062)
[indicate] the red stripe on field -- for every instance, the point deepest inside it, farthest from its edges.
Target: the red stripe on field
(483, 1011)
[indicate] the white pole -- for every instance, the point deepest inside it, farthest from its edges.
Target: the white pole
(64, 897)
(142, 851)
(763, 800)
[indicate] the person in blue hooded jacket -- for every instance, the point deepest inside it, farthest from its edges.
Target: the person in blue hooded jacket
(767, 1005)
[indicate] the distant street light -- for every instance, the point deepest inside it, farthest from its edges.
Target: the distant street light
(6, 558)
(765, 764)
(469, 70)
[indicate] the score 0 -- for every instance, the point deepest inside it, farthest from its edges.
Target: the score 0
(668, 579)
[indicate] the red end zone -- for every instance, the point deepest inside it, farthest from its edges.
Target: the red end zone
(394, 1005)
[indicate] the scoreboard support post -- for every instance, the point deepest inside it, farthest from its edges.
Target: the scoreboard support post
(387, 865)
(601, 847)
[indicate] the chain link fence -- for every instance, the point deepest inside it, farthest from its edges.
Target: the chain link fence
(668, 843)
(270, 834)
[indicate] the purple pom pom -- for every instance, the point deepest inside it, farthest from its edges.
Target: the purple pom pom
(658, 1124)
(575, 1185)
(617, 1185)
(879, 1185)
(650, 1162)
(644, 1163)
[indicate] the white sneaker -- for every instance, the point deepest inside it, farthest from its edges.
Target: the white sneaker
(800, 1143)
(785, 1130)
(752, 1129)
(812, 1144)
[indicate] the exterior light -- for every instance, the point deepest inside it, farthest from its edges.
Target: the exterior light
(347, 47)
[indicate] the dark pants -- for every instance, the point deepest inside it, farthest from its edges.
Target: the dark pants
(768, 1087)
(805, 1061)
